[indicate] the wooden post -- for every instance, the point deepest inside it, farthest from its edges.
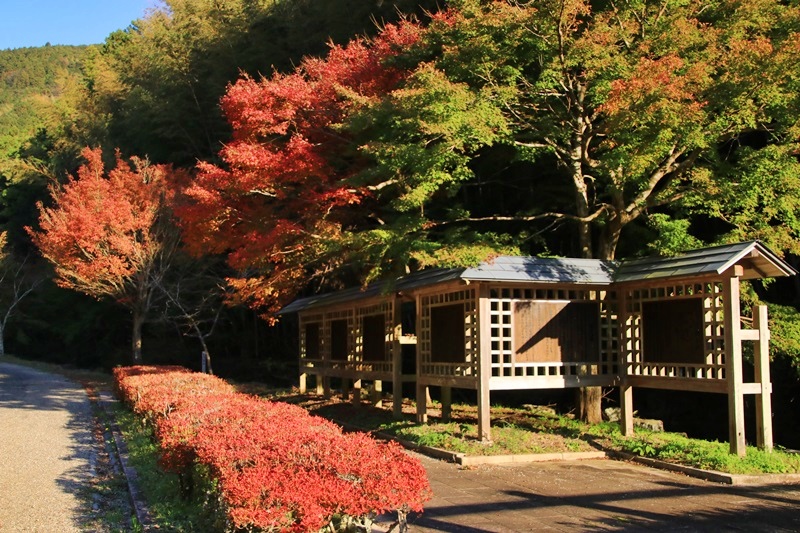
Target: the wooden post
(357, 392)
(422, 390)
(733, 361)
(397, 361)
(484, 365)
(302, 384)
(345, 389)
(626, 409)
(422, 403)
(377, 393)
(762, 375)
(447, 402)
(319, 383)
(625, 343)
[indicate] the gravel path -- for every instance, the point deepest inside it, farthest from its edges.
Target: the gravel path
(46, 451)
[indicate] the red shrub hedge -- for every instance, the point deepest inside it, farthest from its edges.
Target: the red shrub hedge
(278, 467)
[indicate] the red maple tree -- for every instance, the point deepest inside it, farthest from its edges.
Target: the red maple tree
(110, 236)
(286, 168)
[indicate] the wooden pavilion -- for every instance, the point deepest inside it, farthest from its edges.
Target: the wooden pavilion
(539, 323)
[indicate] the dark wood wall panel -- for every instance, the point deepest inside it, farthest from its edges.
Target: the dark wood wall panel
(548, 332)
(339, 340)
(373, 344)
(313, 340)
(447, 334)
(672, 331)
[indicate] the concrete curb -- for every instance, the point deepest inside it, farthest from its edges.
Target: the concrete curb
(138, 503)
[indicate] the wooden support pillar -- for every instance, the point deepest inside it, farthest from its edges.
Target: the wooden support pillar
(397, 361)
(626, 345)
(422, 390)
(484, 365)
(345, 389)
(733, 362)
(762, 375)
(422, 403)
(377, 393)
(357, 392)
(626, 409)
(447, 403)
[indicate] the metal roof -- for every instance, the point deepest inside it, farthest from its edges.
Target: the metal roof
(500, 269)
(542, 270)
(758, 262)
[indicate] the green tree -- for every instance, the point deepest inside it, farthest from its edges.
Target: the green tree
(615, 111)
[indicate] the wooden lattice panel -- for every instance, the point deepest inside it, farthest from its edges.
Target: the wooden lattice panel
(709, 295)
(430, 364)
(375, 328)
(331, 329)
(311, 353)
(513, 357)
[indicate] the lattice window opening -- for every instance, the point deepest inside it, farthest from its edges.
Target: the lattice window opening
(462, 342)
(374, 333)
(713, 343)
(305, 343)
(505, 362)
(338, 336)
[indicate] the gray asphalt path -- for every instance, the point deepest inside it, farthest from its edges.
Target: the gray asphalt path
(597, 495)
(46, 451)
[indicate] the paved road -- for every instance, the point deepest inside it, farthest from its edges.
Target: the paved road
(46, 451)
(597, 495)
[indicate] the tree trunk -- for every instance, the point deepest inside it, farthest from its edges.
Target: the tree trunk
(2, 340)
(588, 402)
(136, 337)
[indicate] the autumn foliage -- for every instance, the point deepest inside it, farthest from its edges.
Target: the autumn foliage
(107, 235)
(286, 168)
(278, 467)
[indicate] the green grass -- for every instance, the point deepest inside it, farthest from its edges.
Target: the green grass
(708, 455)
(532, 430)
(169, 509)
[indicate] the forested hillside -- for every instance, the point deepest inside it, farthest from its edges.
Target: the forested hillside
(301, 146)
(33, 85)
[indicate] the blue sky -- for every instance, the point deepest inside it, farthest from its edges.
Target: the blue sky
(37, 22)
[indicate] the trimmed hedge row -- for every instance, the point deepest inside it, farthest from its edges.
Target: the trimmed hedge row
(277, 467)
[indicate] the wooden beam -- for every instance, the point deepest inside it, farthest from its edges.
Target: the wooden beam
(749, 334)
(733, 363)
(762, 375)
(755, 388)
(679, 384)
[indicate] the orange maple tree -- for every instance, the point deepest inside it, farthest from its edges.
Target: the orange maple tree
(284, 178)
(110, 235)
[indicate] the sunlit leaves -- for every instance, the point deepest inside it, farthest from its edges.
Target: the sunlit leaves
(103, 233)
